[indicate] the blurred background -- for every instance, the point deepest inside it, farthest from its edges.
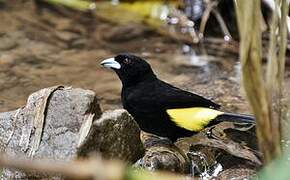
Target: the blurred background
(197, 45)
(190, 43)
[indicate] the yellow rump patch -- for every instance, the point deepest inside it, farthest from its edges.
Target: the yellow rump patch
(193, 119)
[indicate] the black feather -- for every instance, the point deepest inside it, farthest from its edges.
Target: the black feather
(240, 118)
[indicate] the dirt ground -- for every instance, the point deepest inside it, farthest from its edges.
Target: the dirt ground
(42, 48)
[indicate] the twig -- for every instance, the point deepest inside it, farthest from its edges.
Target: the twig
(93, 168)
(271, 5)
(272, 74)
(249, 15)
(87, 169)
(185, 22)
(281, 56)
(74, 4)
(205, 16)
(222, 24)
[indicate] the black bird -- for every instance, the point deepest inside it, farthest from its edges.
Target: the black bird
(161, 108)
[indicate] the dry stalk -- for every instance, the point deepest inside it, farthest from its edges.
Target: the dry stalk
(93, 168)
(249, 22)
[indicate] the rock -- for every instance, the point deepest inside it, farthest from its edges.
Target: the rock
(66, 36)
(162, 154)
(114, 135)
(237, 174)
(79, 43)
(223, 148)
(47, 126)
(232, 146)
(7, 43)
(62, 124)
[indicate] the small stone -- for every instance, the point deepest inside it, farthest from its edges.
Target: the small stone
(7, 43)
(66, 36)
(125, 32)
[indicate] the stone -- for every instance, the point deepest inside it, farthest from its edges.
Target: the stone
(7, 43)
(237, 174)
(162, 154)
(63, 123)
(114, 135)
(47, 126)
(126, 32)
(228, 145)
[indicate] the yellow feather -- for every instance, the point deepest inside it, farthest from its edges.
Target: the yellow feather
(193, 119)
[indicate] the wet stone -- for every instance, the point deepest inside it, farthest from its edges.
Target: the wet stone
(219, 145)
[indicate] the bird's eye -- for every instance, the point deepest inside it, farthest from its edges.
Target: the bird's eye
(127, 61)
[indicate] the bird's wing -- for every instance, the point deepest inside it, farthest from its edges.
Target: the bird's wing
(173, 97)
(193, 119)
(193, 112)
(187, 110)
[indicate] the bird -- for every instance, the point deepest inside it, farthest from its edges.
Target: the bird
(160, 108)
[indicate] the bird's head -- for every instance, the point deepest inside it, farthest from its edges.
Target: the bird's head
(130, 69)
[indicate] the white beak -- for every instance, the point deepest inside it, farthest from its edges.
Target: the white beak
(111, 63)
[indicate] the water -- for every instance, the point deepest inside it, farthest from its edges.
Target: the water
(200, 166)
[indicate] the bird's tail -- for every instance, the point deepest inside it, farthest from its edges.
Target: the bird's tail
(239, 118)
